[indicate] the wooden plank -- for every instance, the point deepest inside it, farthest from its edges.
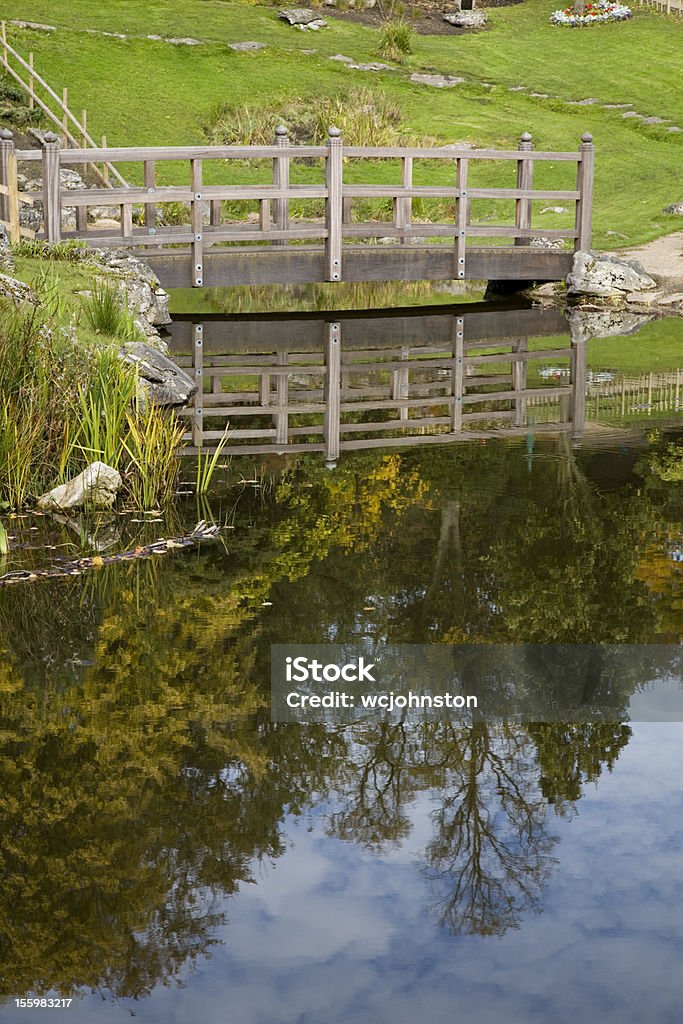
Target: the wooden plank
(150, 189)
(332, 386)
(198, 399)
(584, 184)
(461, 208)
(525, 172)
(52, 213)
(303, 264)
(458, 377)
(417, 153)
(197, 222)
(333, 210)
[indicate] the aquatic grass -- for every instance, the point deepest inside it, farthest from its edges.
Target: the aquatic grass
(4, 540)
(206, 465)
(152, 443)
(103, 408)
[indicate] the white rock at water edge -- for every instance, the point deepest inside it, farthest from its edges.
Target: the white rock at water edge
(95, 487)
(602, 274)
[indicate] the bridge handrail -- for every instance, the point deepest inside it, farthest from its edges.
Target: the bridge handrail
(274, 222)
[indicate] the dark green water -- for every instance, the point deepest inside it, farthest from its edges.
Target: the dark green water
(168, 852)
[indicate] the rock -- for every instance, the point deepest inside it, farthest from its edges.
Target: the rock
(16, 291)
(606, 275)
(186, 41)
(162, 381)
(438, 81)
(246, 47)
(467, 19)
(650, 299)
(585, 324)
(302, 17)
(96, 213)
(35, 25)
(675, 208)
(541, 242)
(342, 58)
(554, 209)
(551, 293)
(6, 258)
(95, 487)
(31, 217)
(374, 65)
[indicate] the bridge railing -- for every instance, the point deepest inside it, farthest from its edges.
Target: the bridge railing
(276, 226)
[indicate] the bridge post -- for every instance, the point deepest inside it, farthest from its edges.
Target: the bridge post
(458, 378)
(197, 221)
(198, 399)
(525, 178)
(584, 185)
(52, 203)
(333, 247)
(281, 180)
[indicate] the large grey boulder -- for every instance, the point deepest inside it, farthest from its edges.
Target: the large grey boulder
(161, 381)
(95, 487)
(604, 275)
(303, 18)
(467, 19)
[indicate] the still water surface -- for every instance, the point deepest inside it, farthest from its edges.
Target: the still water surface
(169, 853)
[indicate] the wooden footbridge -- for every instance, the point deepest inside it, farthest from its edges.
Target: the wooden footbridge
(333, 383)
(319, 213)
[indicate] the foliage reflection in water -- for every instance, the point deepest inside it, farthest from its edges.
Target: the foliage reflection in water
(143, 784)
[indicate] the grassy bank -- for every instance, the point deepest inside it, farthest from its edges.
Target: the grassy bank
(141, 91)
(67, 399)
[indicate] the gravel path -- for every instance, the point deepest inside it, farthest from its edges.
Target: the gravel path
(662, 258)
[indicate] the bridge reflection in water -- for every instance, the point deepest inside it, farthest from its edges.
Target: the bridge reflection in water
(336, 382)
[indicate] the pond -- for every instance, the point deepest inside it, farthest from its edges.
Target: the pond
(170, 852)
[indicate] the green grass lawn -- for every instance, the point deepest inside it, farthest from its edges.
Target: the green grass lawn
(139, 91)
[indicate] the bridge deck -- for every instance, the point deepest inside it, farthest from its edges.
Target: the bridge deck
(306, 264)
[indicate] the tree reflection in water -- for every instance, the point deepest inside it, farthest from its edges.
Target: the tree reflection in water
(141, 780)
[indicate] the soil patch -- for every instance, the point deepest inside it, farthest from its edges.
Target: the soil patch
(424, 16)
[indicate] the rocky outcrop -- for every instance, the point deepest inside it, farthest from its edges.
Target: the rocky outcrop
(161, 381)
(95, 487)
(603, 275)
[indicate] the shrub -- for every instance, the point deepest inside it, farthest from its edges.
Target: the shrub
(106, 314)
(395, 41)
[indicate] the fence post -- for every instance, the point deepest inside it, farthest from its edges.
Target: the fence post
(52, 204)
(525, 180)
(333, 247)
(458, 377)
(577, 369)
(198, 398)
(461, 208)
(584, 185)
(281, 180)
(6, 153)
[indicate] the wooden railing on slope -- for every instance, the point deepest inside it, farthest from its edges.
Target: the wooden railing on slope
(75, 132)
(275, 226)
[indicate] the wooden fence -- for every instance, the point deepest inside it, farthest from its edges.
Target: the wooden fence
(337, 235)
(665, 6)
(335, 399)
(40, 94)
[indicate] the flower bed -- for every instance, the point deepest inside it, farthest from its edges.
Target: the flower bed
(593, 12)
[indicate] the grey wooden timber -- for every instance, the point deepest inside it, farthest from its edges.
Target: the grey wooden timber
(280, 248)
